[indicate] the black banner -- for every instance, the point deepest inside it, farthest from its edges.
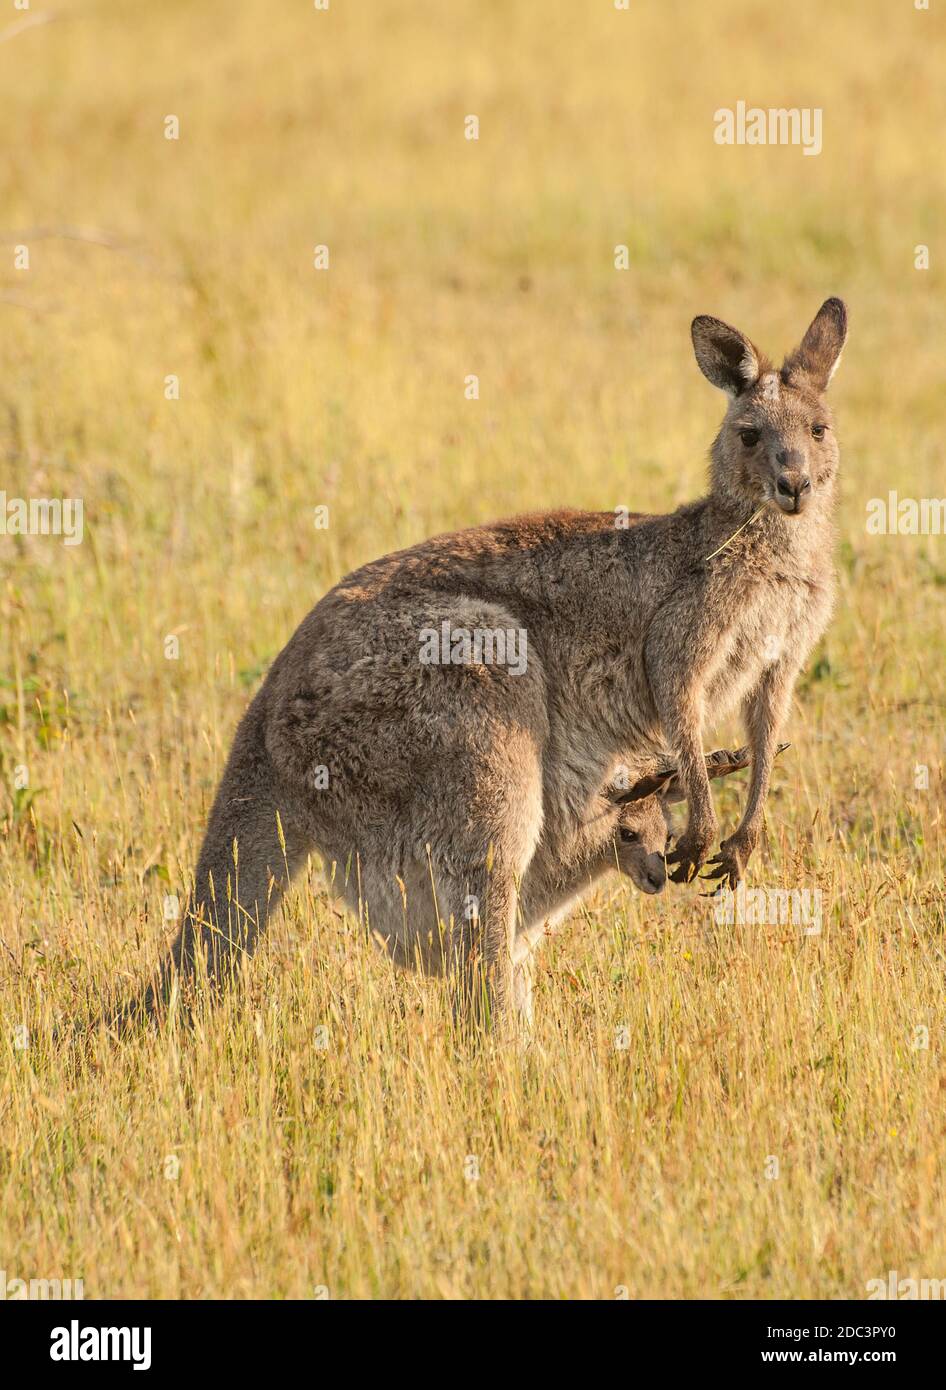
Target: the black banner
(165, 1340)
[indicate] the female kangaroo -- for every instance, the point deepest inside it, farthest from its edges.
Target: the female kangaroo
(445, 724)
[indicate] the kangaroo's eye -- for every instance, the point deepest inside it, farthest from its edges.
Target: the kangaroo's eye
(749, 438)
(817, 431)
(629, 837)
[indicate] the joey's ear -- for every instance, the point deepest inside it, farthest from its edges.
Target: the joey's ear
(654, 784)
(673, 789)
(725, 356)
(719, 764)
(666, 782)
(722, 763)
(819, 352)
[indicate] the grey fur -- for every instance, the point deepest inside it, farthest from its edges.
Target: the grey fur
(465, 805)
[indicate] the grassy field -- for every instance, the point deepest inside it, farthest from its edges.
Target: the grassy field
(322, 1131)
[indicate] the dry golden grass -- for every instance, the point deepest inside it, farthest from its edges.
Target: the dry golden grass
(348, 1166)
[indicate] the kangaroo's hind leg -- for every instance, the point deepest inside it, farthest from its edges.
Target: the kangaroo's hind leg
(481, 946)
(453, 917)
(436, 787)
(445, 895)
(523, 980)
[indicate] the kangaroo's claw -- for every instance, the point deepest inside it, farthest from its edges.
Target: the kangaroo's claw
(715, 892)
(687, 860)
(719, 871)
(727, 868)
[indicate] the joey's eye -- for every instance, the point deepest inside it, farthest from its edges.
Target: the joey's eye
(749, 438)
(817, 431)
(629, 837)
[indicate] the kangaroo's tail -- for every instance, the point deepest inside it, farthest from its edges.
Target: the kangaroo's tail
(253, 846)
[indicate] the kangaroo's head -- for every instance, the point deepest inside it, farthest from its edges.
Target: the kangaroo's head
(641, 840)
(777, 444)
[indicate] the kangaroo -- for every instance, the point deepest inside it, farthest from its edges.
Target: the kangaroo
(445, 783)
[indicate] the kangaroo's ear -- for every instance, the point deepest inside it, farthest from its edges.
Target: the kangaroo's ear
(725, 356)
(819, 352)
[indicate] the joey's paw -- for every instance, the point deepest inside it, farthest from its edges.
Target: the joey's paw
(688, 855)
(729, 865)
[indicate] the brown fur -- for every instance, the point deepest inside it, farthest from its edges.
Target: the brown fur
(459, 796)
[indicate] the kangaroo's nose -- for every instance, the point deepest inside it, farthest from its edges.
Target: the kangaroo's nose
(793, 483)
(790, 485)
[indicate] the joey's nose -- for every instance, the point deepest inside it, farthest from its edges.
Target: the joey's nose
(656, 878)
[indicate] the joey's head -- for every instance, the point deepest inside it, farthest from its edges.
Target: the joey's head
(644, 827)
(777, 445)
(641, 840)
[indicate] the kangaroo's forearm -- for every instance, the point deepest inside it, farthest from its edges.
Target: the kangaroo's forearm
(678, 680)
(687, 738)
(680, 716)
(764, 712)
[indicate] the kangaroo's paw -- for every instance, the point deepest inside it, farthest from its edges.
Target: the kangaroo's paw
(729, 865)
(688, 855)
